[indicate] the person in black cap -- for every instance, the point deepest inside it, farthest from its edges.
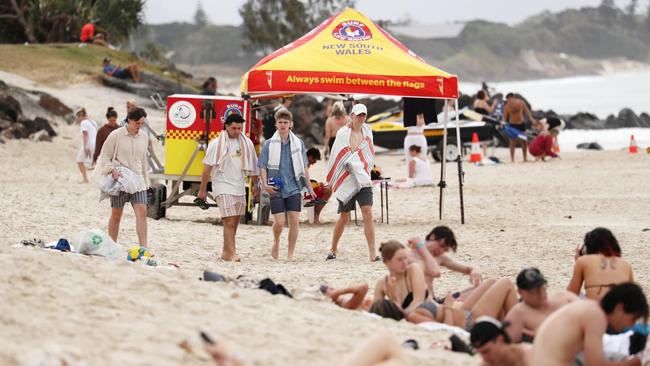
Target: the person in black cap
(536, 305)
(490, 339)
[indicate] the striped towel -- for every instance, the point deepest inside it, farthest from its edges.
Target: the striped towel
(248, 155)
(349, 171)
(275, 150)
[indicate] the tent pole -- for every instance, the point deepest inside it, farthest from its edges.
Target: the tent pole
(459, 160)
(443, 162)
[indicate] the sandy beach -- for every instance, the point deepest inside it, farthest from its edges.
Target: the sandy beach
(120, 313)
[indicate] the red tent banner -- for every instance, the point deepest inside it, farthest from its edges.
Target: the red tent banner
(348, 54)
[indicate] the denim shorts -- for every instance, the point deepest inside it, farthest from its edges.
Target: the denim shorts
(291, 203)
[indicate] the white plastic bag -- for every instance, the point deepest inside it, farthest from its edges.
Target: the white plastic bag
(97, 242)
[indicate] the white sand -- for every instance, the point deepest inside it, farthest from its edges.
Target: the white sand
(110, 313)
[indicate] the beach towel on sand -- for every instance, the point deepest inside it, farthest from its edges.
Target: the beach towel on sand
(349, 171)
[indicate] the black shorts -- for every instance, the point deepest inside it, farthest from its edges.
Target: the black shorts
(363, 197)
(521, 126)
(279, 204)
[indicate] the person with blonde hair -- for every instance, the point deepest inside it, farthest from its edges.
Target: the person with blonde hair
(88, 129)
(333, 124)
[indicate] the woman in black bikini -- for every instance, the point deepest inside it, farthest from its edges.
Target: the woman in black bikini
(598, 264)
(403, 290)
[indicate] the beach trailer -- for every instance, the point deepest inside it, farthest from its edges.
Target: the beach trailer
(192, 121)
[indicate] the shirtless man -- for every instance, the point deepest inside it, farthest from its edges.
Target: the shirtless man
(579, 327)
(513, 113)
(430, 254)
(536, 305)
(490, 339)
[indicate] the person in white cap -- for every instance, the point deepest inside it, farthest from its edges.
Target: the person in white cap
(351, 160)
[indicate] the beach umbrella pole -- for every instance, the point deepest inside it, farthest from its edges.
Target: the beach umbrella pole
(459, 160)
(443, 162)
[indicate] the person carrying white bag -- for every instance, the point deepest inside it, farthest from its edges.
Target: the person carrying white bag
(123, 167)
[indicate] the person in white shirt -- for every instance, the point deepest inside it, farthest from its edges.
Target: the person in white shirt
(88, 129)
(228, 159)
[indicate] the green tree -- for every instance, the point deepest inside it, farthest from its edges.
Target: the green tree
(200, 18)
(271, 24)
(630, 11)
(37, 21)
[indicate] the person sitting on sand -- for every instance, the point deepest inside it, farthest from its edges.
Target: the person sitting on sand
(430, 253)
(579, 327)
(598, 264)
(129, 72)
(322, 190)
(352, 297)
(494, 297)
(419, 170)
(535, 305)
(490, 339)
(542, 146)
(403, 290)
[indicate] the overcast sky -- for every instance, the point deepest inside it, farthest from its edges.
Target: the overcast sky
(420, 11)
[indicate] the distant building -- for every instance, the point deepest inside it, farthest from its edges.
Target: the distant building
(428, 31)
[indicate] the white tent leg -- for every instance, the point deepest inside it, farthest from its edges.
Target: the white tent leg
(443, 162)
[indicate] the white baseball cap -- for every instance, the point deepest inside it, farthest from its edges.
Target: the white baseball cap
(359, 109)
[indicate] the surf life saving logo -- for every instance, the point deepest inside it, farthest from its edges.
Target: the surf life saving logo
(352, 30)
(230, 109)
(182, 114)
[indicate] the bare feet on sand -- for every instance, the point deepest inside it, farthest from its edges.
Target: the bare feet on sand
(275, 251)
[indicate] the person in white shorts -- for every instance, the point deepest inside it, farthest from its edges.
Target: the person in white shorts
(88, 129)
(229, 159)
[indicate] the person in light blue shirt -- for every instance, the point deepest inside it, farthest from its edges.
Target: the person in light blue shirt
(283, 169)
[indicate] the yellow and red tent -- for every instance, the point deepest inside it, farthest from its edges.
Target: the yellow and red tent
(348, 54)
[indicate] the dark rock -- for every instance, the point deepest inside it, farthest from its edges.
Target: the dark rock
(644, 119)
(10, 107)
(584, 121)
(54, 105)
(2, 141)
(627, 118)
(589, 146)
(38, 124)
(3, 85)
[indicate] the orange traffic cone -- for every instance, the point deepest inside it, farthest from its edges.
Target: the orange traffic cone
(475, 157)
(556, 146)
(633, 148)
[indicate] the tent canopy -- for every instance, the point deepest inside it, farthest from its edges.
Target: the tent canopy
(347, 54)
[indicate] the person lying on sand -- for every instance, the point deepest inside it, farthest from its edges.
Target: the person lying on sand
(578, 328)
(490, 339)
(378, 350)
(493, 297)
(129, 72)
(598, 264)
(430, 253)
(535, 305)
(352, 297)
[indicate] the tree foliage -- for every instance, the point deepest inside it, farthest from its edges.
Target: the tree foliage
(200, 18)
(271, 24)
(38, 21)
